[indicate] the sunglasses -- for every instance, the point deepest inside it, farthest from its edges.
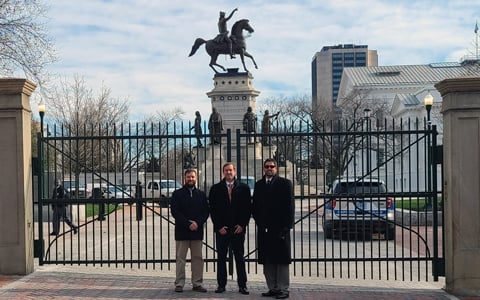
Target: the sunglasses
(269, 167)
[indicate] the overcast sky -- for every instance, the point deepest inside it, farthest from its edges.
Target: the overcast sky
(140, 48)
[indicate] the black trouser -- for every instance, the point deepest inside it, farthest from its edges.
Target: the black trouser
(60, 212)
(235, 241)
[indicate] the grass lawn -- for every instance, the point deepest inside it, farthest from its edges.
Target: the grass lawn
(417, 204)
(92, 209)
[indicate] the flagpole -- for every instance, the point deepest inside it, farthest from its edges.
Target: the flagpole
(476, 40)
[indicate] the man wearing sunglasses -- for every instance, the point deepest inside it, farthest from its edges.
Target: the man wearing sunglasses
(273, 211)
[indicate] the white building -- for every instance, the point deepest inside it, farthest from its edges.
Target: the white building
(397, 93)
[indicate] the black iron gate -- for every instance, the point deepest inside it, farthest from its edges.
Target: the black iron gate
(120, 179)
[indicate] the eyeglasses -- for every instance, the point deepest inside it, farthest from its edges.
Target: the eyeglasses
(269, 167)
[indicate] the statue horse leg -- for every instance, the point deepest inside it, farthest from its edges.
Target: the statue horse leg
(251, 57)
(213, 62)
(242, 56)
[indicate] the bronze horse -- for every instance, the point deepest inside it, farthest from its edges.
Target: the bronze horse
(238, 45)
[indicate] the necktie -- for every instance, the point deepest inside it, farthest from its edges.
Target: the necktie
(230, 187)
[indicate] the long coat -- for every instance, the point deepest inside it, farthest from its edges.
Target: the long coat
(186, 207)
(273, 211)
(226, 213)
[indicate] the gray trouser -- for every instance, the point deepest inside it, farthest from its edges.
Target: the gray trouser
(277, 276)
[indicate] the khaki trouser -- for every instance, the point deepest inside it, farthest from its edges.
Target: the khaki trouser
(197, 262)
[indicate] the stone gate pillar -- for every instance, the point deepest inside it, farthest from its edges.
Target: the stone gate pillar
(16, 216)
(461, 185)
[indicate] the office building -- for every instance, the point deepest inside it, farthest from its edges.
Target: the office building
(327, 68)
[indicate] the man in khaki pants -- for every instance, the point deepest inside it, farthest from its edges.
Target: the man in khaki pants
(189, 207)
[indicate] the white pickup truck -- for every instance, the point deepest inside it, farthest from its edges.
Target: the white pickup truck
(160, 190)
(70, 186)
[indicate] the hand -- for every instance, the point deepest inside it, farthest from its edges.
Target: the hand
(193, 225)
(238, 229)
(223, 230)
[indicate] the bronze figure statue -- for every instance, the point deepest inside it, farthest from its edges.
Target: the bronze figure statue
(238, 45)
(223, 32)
(215, 126)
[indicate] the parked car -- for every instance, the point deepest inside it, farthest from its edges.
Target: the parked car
(114, 192)
(359, 206)
(71, 187)
(160, 191)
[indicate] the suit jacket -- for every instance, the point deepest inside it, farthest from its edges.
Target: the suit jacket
(230, 213)
(273, 211)
(186, 207)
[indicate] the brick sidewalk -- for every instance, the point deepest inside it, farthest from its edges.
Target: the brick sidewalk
(58, 283)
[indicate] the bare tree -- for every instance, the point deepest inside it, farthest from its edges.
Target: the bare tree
(24, 43)
(160, 154)
(78, 113)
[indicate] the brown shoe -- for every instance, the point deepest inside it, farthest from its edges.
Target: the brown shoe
(200, 289)
(178, 289)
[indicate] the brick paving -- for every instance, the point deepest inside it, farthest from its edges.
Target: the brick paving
(58, 282)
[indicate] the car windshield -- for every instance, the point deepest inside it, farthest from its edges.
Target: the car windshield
(115, 189)
(71, 184)
(360, 188)
(170, 184)
(249, 181)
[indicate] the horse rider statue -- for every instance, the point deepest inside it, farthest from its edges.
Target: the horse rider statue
(222, 28)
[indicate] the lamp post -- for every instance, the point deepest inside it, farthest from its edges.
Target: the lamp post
(41, 111)
(367, 112)
(428, 102)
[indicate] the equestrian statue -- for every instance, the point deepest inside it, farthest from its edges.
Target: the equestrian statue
(226, 44)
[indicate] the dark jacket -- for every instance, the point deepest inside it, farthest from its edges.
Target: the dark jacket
(186, 207)
(226, 213)
(274, 212)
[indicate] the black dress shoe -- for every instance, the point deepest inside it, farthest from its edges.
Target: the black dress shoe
(220, 289)
(243, 291)
(282, 295)
(75, 229)
(53, 233)
(270, 293)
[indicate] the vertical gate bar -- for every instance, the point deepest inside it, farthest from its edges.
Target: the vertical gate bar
(107, 175)
(40, 195)
(394, 190)
(401, 192)
(91, 204)
(433, 167)
(126, 144)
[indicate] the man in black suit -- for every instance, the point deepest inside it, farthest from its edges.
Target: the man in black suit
(273, 211)
(230, 210)
(60, 209)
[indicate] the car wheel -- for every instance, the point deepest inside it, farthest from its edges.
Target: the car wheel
(390, 234)
(328, 232)
(365, 235)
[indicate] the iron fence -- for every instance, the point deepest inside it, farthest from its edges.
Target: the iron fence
(120, 179)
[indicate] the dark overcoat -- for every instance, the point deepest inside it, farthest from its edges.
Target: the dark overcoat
(273, 211)
(230, 213)
(186, 207)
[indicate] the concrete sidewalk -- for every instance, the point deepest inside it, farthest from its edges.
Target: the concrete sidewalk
(79, 282)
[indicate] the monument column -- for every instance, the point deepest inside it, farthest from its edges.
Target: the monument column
(461, 184)
(232, 94)
(16, 213)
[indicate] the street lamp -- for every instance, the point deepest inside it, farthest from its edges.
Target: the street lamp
(41, 111)
(428, 102)
(367, 112)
